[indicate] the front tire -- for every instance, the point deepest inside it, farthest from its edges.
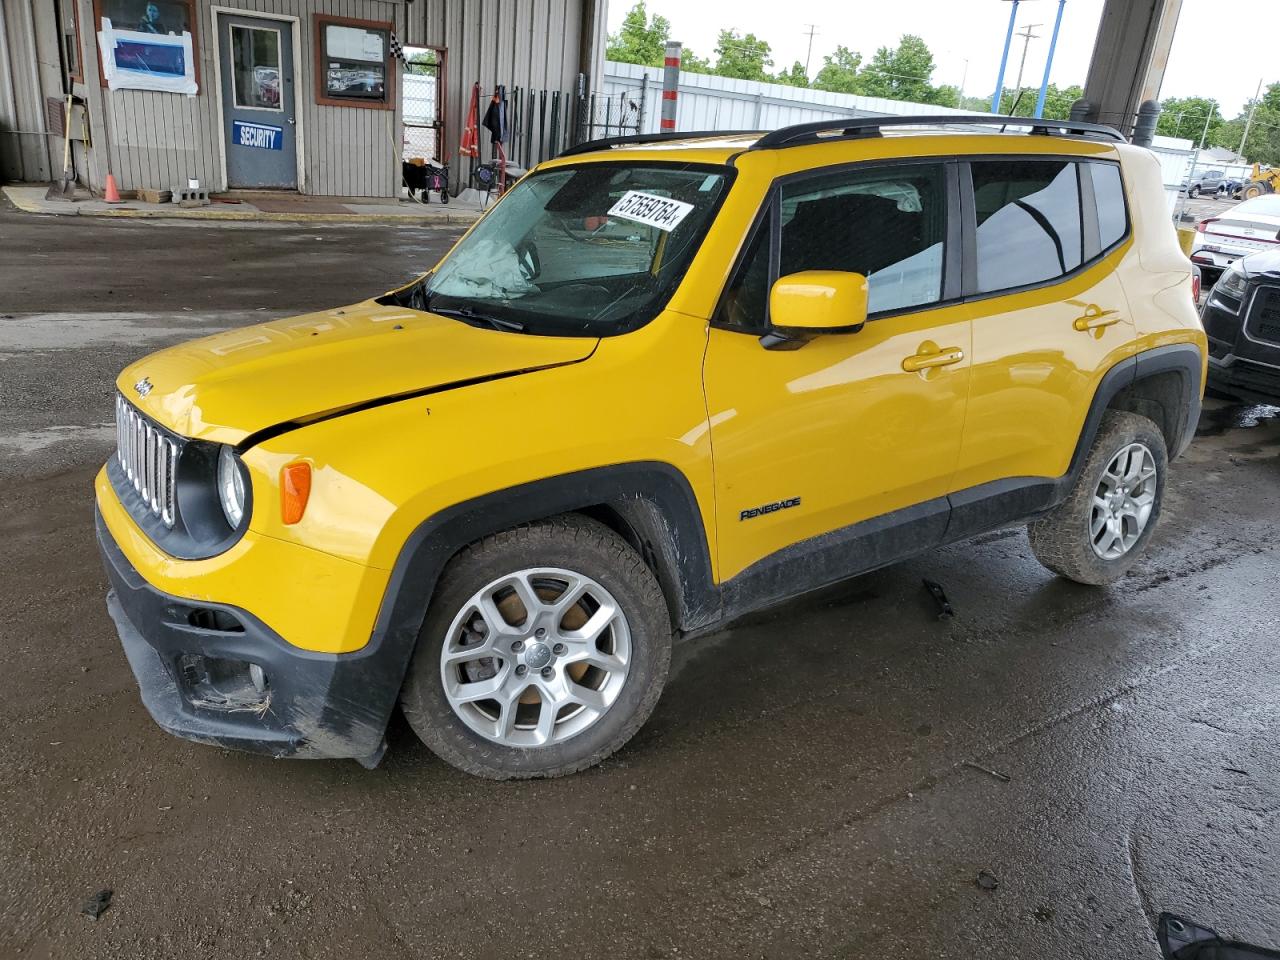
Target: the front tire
(545, 649)
(1101, 529)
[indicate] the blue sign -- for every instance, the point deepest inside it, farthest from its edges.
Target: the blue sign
(147, 56)
(259, 135)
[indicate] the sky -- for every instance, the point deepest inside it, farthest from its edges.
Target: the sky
(1209, 58)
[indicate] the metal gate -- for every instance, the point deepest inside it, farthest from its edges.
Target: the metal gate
(619, 113)
(420, 107)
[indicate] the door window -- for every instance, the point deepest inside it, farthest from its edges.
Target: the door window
(1028, 219)
(887, 223)
(255, 68)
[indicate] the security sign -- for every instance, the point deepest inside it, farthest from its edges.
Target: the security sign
(258, 135)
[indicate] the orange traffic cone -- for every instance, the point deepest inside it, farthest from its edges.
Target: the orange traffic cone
(111, 194)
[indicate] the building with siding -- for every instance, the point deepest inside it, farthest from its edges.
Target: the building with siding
(268, 94)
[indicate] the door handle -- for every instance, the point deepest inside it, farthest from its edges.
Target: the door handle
(1095, 318)
(925, 361)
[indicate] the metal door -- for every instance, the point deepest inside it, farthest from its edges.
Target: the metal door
(258, 101)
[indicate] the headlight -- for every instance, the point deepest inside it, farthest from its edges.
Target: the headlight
(230, 487)
(1232, 282)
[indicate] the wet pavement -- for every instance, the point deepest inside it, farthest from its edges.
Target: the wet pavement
(828, 779)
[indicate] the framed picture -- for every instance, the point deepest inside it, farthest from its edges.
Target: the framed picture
(158, 18)
(353, 63)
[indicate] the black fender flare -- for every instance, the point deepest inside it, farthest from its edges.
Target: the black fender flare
(654, 499)
(1184, 359)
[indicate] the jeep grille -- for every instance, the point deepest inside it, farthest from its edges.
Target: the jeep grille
(149, 460)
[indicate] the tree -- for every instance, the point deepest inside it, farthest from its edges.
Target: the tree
(1022, 103)
(1185, 117)
(1263, 145)
(899, 73)
(946, 95)
(640, 39)
(746, 58)
(795, 76)
(690, 62)
(839, 72)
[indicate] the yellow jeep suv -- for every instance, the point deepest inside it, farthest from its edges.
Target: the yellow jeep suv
(663, 382)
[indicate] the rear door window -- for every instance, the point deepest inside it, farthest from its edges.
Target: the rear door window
(1028, 219)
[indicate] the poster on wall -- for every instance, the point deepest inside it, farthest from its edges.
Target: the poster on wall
(146, 60)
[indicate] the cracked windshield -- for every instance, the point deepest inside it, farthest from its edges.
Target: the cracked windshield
(594, 250)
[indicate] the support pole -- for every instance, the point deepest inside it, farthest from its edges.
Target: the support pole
(670, 85)
(1004, 59)
(1249, 123)
(1048, 64)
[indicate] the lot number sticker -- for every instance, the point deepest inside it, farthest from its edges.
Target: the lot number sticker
(651, 210)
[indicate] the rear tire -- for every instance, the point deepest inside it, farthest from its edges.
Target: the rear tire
(1101, 529)
(545, 649)
(1256, 189)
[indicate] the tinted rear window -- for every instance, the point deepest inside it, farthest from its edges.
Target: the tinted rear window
(1108, 191)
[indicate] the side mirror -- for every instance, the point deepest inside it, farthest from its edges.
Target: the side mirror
(803, 305)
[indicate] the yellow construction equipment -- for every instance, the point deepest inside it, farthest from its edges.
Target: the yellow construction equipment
(1261, 181)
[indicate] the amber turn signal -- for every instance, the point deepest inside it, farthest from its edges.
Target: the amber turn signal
(295, 488)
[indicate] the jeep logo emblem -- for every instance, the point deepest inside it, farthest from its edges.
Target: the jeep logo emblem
(144, 386)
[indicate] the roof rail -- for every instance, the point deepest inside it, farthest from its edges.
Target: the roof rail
(591, 146)
(854, 127)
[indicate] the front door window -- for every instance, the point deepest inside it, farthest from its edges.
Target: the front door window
(255, 65)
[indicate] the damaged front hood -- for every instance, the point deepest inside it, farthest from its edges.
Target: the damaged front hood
(231, 385)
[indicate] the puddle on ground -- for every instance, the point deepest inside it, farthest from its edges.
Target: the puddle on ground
(1217, 418)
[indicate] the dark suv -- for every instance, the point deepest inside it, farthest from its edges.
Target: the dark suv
(1242, 319)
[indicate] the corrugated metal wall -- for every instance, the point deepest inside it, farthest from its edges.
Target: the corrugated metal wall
(535, 44)
(160, 139)
(27, 37)
(709, 102)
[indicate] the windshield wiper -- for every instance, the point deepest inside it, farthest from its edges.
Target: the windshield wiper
(474, 317)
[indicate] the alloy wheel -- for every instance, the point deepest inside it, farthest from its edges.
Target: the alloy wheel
(1123, 502)
(536, 657)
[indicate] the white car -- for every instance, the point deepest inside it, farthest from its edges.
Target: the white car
(1246, 228)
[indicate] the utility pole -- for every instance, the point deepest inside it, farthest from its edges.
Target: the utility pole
(813, 28)
(1027, 37)
(964, 79)
(1249, 123)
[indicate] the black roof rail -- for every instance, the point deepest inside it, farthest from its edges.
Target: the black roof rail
(853, 127)
(591, 146)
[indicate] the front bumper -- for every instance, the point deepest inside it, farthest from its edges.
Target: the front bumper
(313, 705)
(1240, 364)
(1251, 382)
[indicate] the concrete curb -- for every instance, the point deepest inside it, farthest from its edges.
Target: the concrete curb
(61, 209)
